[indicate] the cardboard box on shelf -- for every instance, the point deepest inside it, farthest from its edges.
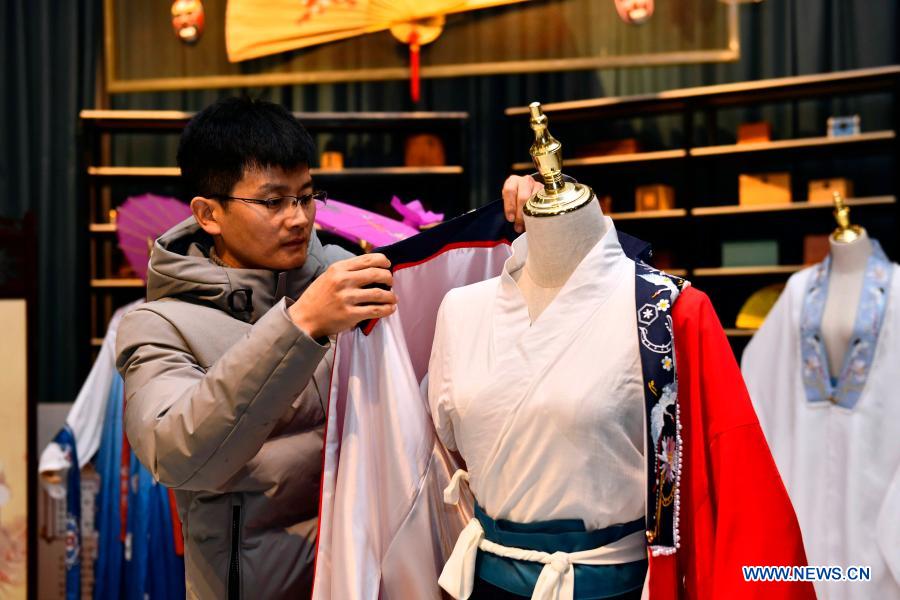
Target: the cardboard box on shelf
(607, 148)
(663, 259)
(764, 188)
(654, 197)
(822, 190)
(749, 253)
(815, 248)
(842, 126)
(332, 159)
(752, 133)
(606, 203)
(424, 150)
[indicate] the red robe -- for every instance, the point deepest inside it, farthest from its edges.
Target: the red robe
(735, 510)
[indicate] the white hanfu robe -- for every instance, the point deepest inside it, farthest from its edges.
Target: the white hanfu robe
(836, 443)
(550, 426)
(87, 414)
(385, 529)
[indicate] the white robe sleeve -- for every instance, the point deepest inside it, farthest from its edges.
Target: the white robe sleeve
(770, 366)
(888, 527)
(88, 412)
(439, 381)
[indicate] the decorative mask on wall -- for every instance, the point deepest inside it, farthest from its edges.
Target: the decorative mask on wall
(187, 20)
(634, 12)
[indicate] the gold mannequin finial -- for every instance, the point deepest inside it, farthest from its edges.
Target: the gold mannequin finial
(845, 232)
(558, 196)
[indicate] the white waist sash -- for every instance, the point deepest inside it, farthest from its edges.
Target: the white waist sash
(557, 578)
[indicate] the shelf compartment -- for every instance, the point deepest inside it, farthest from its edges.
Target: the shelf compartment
(612, 159)
(176, 120)
(728, 94)
(740, 333)
(736, 209)
(96, 171)
(379, 171)
(796, 144)
(117, 283)
(673, 213)
(134, 171)
(747, 271)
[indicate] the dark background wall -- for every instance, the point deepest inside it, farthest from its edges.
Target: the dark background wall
(48, 56)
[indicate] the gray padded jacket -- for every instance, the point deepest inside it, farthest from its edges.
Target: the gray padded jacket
(225, 404)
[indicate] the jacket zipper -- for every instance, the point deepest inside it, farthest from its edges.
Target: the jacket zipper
(234, 567)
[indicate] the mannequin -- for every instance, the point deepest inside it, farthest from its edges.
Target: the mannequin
(544, 306)
(848, 265)
(556, 245)
(822, 374)
(564, 223)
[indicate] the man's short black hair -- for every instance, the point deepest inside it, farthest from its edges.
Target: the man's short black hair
(235, 134)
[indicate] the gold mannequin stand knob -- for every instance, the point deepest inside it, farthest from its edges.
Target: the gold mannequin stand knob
(845, 232)
(558, 196)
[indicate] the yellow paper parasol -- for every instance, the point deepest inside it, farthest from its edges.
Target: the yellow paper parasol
(255, 28)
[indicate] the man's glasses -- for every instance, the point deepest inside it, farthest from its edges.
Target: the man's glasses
(281, 204)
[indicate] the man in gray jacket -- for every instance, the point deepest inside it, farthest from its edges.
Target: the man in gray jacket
(227, 365)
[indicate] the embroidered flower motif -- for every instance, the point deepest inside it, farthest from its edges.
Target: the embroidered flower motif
(878, 297)
(660, 411)
(858, 369)
(663, 304)
(667, 363)
(667, 458)
(648, 314)
(812, 363)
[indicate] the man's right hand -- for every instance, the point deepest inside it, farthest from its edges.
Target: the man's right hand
(339, 298)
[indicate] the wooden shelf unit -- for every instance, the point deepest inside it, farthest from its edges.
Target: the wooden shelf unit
(105, 178)
(348, 172)
(734, 332)
(695, 229)
(118, 282)
(133, 171)
(612, 159)
(711, 211)
(727, 150)
(672, 213)
(801, 87)
(795, 144)
(175, 120)
(746, 271)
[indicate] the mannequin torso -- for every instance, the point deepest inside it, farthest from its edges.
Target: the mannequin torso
(848, 265)
(556, 245)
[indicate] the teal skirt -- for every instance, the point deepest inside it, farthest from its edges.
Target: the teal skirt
(592, 582)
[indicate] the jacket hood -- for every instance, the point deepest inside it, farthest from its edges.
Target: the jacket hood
(180, 268)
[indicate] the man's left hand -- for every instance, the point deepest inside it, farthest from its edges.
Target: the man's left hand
(516, 192)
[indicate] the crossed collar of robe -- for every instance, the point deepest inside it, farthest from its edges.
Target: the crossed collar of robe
(861, 352)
